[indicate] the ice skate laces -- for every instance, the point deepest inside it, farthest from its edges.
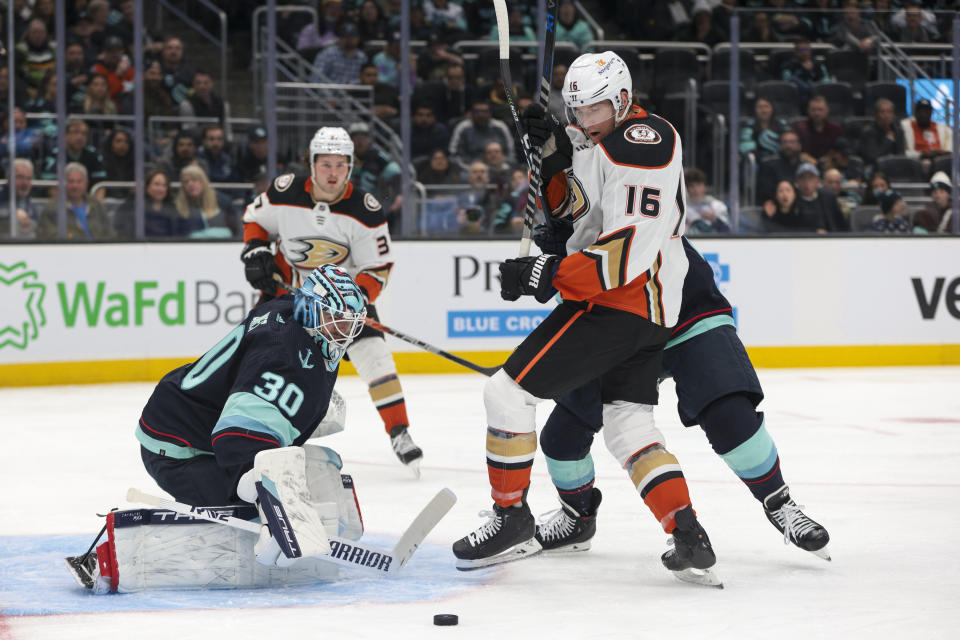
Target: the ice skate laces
(487, 529)
(402, 443)
(555, 525)
(794, 522)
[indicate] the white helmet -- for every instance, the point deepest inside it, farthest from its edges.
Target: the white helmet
(594, 77)
(331, 140)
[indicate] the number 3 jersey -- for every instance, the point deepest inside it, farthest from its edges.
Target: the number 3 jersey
(350, 232)
(625, 197)
(262, 386)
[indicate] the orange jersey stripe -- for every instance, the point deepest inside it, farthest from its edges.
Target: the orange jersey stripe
(547, 346)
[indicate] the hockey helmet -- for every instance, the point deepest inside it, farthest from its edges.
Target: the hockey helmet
(330, 306)
(595, 77)
(331, 140)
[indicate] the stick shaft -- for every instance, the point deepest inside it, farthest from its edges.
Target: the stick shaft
(487, 371)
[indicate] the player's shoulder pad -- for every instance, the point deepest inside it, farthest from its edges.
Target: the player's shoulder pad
(362, 206)
(290, 189)
(645, 142)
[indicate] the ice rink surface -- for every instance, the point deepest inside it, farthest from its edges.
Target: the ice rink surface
(874, 454)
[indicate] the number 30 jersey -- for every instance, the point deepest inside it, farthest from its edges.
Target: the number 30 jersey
(626, 198)
(263, 386)
(350, 232)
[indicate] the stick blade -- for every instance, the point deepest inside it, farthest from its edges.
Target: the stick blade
(421, 526)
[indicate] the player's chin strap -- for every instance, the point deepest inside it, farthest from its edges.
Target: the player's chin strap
(349, 553)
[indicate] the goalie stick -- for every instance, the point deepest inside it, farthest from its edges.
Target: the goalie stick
(546, 75)
(349, 553)
(487, 371)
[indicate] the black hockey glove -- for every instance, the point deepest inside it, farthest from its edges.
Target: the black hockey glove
(546, 133)
(528, 276)
(552, 237)
(258, 266)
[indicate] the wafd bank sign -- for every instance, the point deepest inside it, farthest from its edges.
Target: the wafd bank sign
(144, 301)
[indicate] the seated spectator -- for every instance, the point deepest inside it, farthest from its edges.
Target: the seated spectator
(912, 29)
(782, 211)
(820, 21)
(78, 150)
(571, 27)
(98, 12)
(96, 99)
(818, 208)
(419, 29)
(853, 32)
(340, 62)
(253, 160)
(438, 169)
(213, 153)
(849, 166)
(44, 10)
(371, 24)
(847, 197)
(498, 167)
(705, 214)
(883, 137)
(161, 218)
(787, 27)
(374, 171)
(35, 54)
(933, 218)
(386, 100)
(509, 219)
(156, 98)
(803, 70)
(26, 140)
(177, 76)
(923, 137)
(701, 27)
(77, 71)
(891, 220)
(203, 213)
(520, 31)
(817, 133)
(118, 162)
(120, 24)
(879, 182)
(450, 98)
(427, 134)
(180, 154)
(45, 101)
(432, 61)
(203, 102)
(478, 206)
(760, 134)
(446, 18)
(115, 67)
(387, 61)
(27, 213)
(470, 137)
(87, 218)
(760, 29)
(325, 33)
(783, 167)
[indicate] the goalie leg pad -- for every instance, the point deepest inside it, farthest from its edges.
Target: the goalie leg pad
(292, 523)
(331, 489)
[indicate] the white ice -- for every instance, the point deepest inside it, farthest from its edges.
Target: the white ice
(873, 454)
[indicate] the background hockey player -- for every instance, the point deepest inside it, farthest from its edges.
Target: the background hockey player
(618, 176)
(325, 219)
(717, 388)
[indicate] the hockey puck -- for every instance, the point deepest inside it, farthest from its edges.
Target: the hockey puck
(445, 619)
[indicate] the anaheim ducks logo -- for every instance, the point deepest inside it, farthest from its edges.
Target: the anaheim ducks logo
(642, 134)
(283, 182)
(370, 202)
(310, 253)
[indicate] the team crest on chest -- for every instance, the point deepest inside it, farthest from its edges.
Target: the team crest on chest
(283, 182)
(642, 134)
(310, 253)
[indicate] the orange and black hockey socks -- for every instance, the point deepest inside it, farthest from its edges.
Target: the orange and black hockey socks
(659, 480)
(387, 396)
(509, 459)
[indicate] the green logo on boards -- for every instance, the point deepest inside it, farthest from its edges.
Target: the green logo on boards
(21, 313)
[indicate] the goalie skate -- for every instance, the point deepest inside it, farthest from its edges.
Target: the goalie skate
(692, 556)
(797, 529)
(86, 571)
(507, 536)
(407, 452)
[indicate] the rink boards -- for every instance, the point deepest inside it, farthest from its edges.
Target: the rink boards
(133, 311)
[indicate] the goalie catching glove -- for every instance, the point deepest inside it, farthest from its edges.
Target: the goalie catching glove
(258, 266)
(528, 276)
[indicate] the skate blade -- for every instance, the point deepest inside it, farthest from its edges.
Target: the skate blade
(79, 572)
(570, 548)
(703, 577)
(414, 466)
(824, 553)
(517, 552)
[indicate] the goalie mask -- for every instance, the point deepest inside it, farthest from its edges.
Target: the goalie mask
(331, 140)
(595, 79)
(330, 306)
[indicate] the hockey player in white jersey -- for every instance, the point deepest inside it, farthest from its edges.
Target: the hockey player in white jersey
(616, 173)
(320, 219)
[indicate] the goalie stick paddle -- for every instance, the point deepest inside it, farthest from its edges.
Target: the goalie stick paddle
(349, 553)
(546, 74)
(487, 371)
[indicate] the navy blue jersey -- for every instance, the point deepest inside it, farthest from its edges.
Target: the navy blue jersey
(703, 307)
(262, 386)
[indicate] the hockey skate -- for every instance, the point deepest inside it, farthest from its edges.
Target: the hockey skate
(692, 555)
(567, 530)
(407, 452)
(796, 527)
(505, 537)
(86, 572)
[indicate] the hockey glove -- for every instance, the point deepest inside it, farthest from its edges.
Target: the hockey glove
(528, 276)
(547, 134)
(552, 237)
(258, 266)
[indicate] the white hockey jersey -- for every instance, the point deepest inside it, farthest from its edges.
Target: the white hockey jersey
(350, 232)
(626, 199)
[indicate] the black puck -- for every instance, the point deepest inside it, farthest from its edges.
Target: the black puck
(445, 619)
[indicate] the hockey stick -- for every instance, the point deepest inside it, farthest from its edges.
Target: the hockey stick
(487, 371)
(349, 553)
(546, 73)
